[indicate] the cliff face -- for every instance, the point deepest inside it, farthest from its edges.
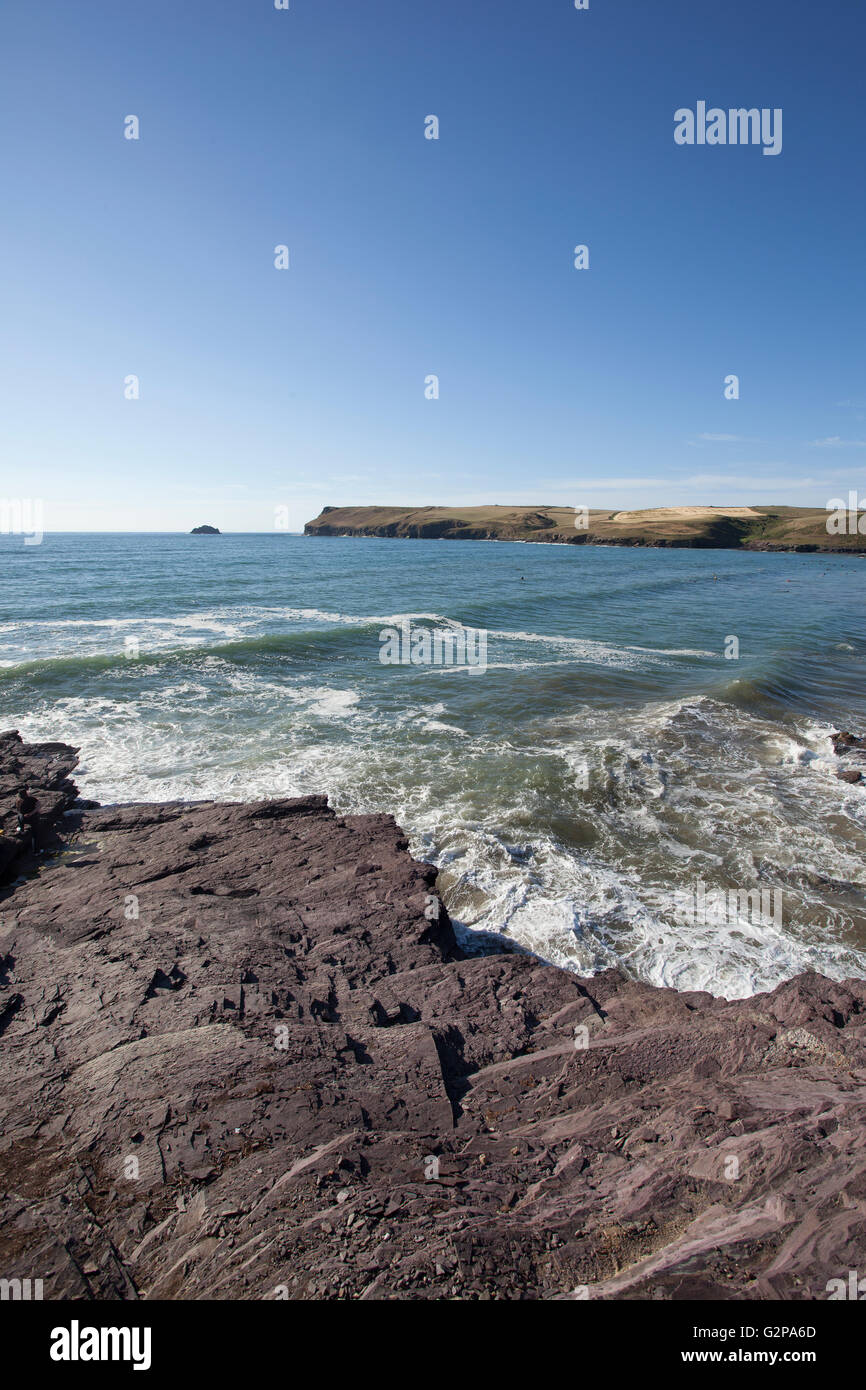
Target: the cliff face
(244, 1057)
(715, 528)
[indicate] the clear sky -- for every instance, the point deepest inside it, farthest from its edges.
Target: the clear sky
(410, 257)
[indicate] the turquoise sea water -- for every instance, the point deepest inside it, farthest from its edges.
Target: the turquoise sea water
(609, 758)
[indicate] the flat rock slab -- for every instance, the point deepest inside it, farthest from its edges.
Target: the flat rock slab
(244, 1057)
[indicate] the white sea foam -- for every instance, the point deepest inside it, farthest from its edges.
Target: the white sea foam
(678, 789)
(583, 649)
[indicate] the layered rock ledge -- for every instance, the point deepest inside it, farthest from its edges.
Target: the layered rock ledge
(245, 1058)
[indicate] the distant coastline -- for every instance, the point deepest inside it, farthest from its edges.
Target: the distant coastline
(802, 529)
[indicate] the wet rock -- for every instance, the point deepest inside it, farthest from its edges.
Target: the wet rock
(233, 1063)
(45, 769)
(853, 749)
(845, 740)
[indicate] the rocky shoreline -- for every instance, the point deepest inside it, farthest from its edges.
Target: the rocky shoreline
(245, 1058)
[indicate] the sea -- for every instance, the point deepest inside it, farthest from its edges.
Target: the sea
(650, 729)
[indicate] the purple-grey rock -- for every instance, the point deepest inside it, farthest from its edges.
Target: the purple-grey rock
(236, 1067)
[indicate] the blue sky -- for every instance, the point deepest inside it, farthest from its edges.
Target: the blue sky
(409, 257)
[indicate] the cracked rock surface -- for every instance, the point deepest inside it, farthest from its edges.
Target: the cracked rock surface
(243, 1057)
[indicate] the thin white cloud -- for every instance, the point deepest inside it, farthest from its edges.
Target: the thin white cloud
(599, 484)
(773, 485)
(835, 442)
(723, 439)
(751, 482)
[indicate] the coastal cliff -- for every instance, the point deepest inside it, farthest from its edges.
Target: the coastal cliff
(245, 1057)
(711, 528)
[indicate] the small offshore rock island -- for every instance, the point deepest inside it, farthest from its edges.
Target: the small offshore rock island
(802, 529)
(205, 531)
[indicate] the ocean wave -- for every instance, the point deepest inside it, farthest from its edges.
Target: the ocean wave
(566, 796)
(584, 876)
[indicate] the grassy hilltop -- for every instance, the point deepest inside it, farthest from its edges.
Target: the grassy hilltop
(726, 528)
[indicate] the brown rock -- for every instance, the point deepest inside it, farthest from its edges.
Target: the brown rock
(232, 1063)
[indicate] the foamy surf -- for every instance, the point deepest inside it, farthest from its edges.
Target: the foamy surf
(605, 761)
